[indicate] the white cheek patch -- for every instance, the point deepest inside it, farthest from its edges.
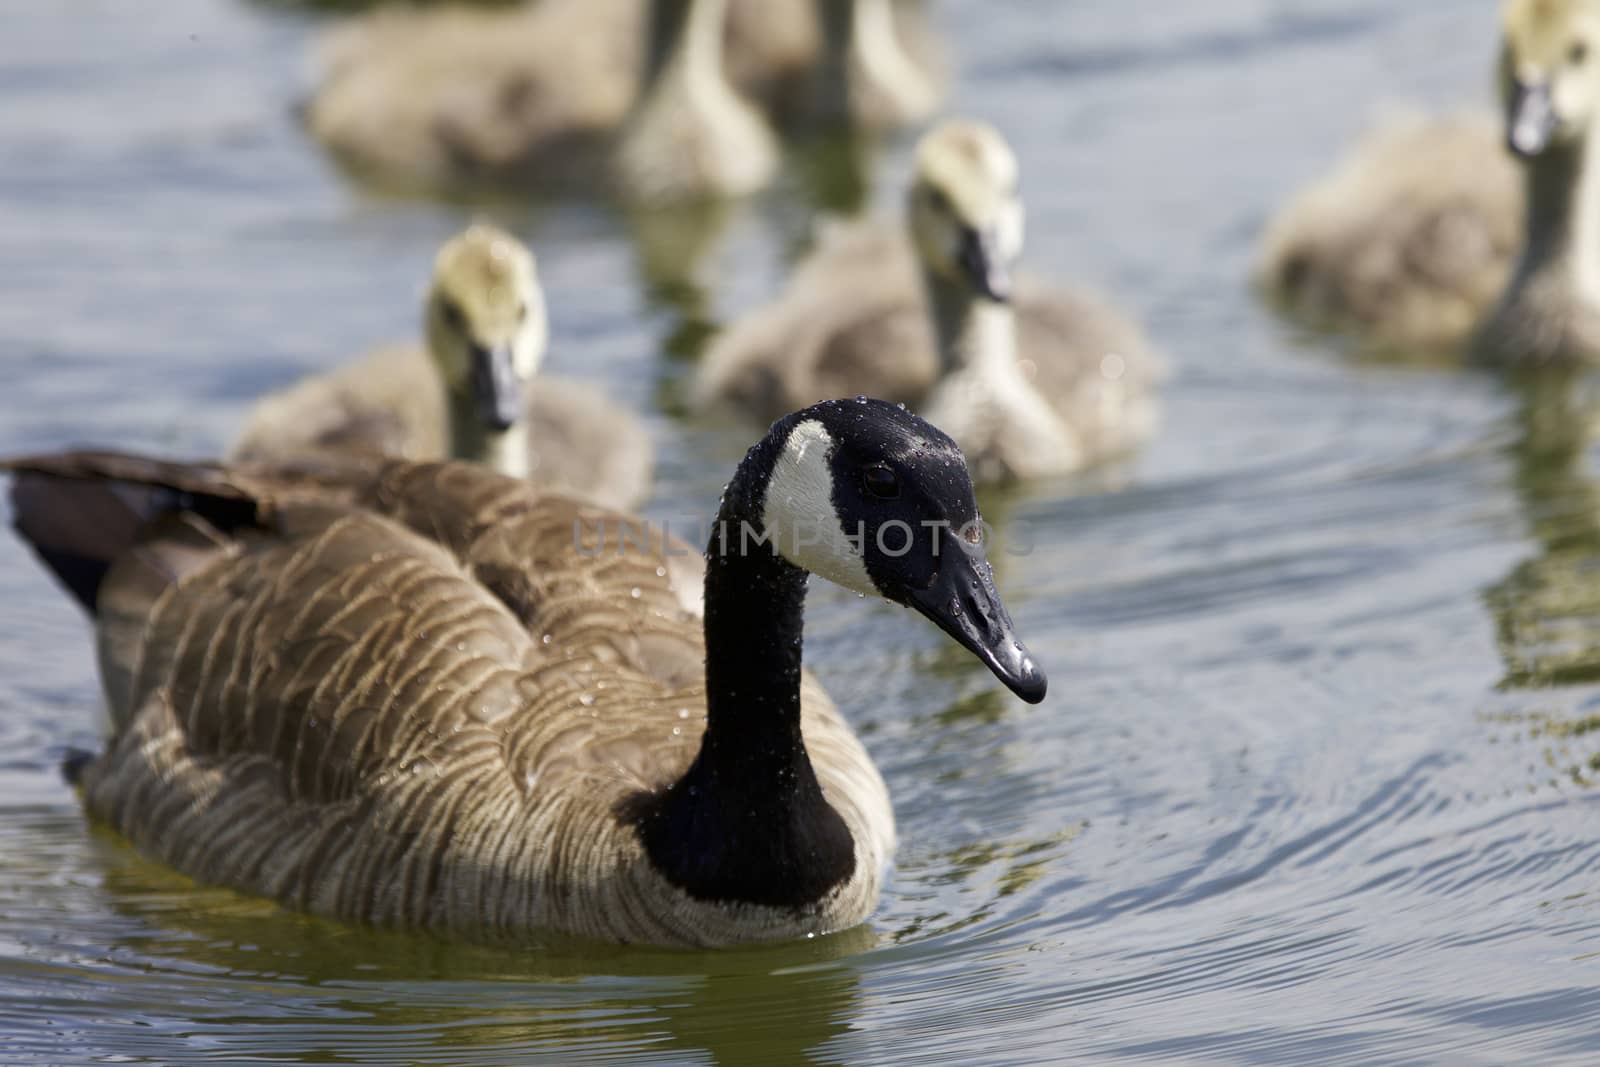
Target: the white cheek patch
(533, 338)
(1010, 229)
(799, 516)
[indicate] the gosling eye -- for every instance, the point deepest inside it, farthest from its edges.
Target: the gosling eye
(880, 480)
(937, 200)
(1578, 53)
(451, 312)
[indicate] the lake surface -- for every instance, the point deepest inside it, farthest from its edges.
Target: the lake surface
(1315, 779)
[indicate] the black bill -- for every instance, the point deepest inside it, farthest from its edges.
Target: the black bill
(495, 388)
(962, 602)
(1532, 120)
(984, 264)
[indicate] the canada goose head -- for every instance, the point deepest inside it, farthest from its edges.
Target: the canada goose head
(877, 500)
(1549, 73)
(486, 323)
(873, 498)
(965, 214)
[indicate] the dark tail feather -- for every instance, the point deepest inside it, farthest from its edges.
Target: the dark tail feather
(74, 762)
(82, 510)
(77, 529)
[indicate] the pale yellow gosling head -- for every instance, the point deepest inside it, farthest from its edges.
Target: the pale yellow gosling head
(1549, 72)
(965, 215)
(486, 322)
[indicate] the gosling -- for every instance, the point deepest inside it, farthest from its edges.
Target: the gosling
(469, 392)
(1430, 240)
(1031, 381)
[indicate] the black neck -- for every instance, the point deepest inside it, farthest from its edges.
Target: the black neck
(748, 821)
(953, 305)
(1554, 183)
(469, 438)
(669, 20)
(837, 19)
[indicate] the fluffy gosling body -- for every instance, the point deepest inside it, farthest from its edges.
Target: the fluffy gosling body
(484, 730)
(1031, 380)
(463, 96)
(1433, 236)
(471, 391)
(536, 94)
(1407, 242)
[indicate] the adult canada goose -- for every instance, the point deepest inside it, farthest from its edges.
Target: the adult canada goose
(469, 392)
(1415, 241)
(536, 93)
(1030, 380)
(425, 695)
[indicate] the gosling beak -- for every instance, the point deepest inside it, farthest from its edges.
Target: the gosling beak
(495, 388)
(984, 265)
(1532, 122)
(962, 602)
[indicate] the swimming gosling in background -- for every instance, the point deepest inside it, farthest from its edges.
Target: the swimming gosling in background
(1430, 239)
(693, 136)
(1550, 87)
(1031, 380)
(484, 729)
(463, 96)
(470, 391)
(537, 93)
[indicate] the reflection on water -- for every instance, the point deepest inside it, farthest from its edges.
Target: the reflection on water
(379, 994)
(675, 248)
(1314, 781)
(1548, 609)
(680, 249)
(835, 170)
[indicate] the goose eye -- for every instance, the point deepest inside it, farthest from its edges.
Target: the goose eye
(1578, 52)
(453, 317)
(938, 201)
(881, 481)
